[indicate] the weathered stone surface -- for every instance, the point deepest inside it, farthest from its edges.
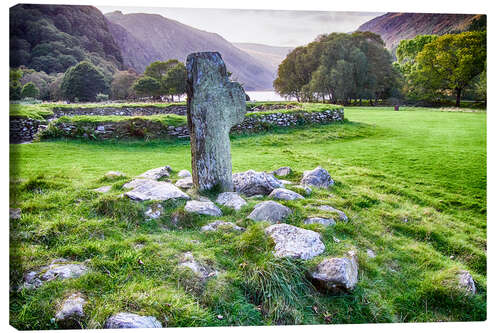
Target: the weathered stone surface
(131, 320)
(318, 177)
(146, 189)
(215, 104)
(252, 183)
(154, 211)
(294, 242)
(341, 215)
(283, 171)
(307, 190)
(58, 269)
(285, 182)
(466, 282)
(285, 194)
(319, 220)
(185, 183)
(184, 173)
(71, 311)
(203, 272)
(114, 174)
(14, 213)
(231, 199)
(223, 225)
(337, 274)
(269, 211)
(157, 173)
(103, 189)
(203, 208)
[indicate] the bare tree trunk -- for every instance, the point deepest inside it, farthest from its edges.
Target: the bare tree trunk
(459, 95)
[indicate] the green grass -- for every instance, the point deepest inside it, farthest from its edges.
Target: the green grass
(412, 182)
(165, 119)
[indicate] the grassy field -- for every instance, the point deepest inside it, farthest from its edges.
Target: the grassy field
(413, 184)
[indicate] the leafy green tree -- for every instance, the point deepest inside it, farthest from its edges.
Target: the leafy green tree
(147, 86)
(121, 86)
(175, 80)
(408, 49)
(480, 86)
(450, 63)
(83, 81)
(30, 90)
(15, 84)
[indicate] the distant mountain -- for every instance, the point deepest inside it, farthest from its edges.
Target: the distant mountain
(269, 55)
(52, 38)
(394, 27)
(149, 37)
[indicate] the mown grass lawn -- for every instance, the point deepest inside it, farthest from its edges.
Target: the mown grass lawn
(413, 184)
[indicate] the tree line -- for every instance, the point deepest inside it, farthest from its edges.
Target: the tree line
(85, 82)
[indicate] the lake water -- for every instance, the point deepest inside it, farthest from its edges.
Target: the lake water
(266, 96)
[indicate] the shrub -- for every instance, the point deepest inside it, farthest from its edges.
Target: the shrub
(101, 97)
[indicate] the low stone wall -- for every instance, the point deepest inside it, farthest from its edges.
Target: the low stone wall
(155, 129)
(120, 111)
(24, 129)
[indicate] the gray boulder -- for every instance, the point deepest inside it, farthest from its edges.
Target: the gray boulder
(337, 275)
(154, 211)
(283, 171)
(341, 215)
(203, 272)
(319, 220)
(184, 173)
(294, 242)
(58, 269)
(252, 183)
(103, 189)
(466, 282)
(71, 311)
(231, 199)
(285, 194)
(155, 174)
(14, 213)
(131, 320)
(203, 208)
(223, 225)
(185, 183)
(269, 211)
(318, 177)
(146, 189)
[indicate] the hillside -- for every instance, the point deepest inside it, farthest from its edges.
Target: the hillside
(393, 27)
(52, 38)
(266, 54)
(164, 39)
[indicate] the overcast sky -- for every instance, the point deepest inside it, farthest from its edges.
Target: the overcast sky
(279, 28)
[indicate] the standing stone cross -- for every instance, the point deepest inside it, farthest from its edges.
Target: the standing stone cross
(215, 104)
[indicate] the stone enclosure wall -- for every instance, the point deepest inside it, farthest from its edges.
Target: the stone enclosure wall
(262, 118)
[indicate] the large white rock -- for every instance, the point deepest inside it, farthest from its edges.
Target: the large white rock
(269, 211)
(223, 225)
(294, 242)
(146, 189)
(58, 269)
(203, 208)
(318, 177)
(337, 274)
(252, 183)
(71, 311)
(466, 282)
(285, 194)
(131, 320)
(231, 199)
(157, 173)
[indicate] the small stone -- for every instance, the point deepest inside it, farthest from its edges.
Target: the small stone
(220, 317)
(231, 199)
(15, 213)
(270, 211)
(252, 183)
(318, 177)
(114, 174)
(146, 189)
(203, 208)
(71, 311)
(285, 194)
(370, 253)
(341, 215)
(155, 174)
(283, 171)
(201, 271)
(294, 242)
(58, 269)
(154, 211)
(337, 275)
(216, 225)
(183, 174)
(319, 220)
(185, 183)
(103, 189)
(307, 190)
(131, 320)
(466, 282)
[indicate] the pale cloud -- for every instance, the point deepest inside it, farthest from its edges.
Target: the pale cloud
(279, 28)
